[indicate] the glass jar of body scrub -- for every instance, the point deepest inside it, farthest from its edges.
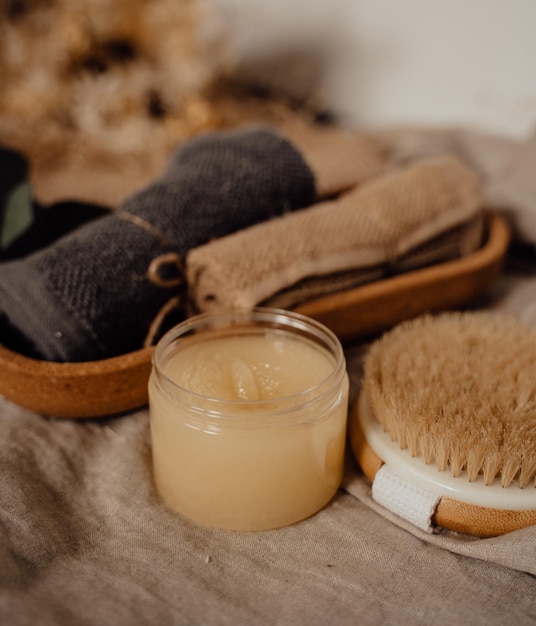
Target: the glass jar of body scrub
(248, 418)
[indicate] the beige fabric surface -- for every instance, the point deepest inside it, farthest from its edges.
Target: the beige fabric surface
(85, 539)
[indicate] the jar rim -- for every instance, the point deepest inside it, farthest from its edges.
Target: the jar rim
(277, 319)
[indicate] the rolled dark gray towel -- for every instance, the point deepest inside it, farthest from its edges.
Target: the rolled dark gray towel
(96, 292)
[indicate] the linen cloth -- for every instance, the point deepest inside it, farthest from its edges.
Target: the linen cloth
(86, 540)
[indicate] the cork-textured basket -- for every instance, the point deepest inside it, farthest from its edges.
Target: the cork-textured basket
(119, 384)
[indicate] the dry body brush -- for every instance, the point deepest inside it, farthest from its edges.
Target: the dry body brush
(459, 391)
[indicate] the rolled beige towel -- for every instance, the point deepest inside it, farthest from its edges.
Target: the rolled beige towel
(431, 209)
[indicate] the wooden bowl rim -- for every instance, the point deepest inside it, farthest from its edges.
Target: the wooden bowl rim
(59, 376)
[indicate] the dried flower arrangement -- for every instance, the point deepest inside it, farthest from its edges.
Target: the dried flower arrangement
(96, 94)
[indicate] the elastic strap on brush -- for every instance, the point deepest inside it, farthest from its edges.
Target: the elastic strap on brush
(405, 499)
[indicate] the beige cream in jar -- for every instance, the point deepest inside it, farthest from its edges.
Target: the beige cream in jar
(248, 418)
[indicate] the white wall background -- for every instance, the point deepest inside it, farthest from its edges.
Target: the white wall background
(423, 62)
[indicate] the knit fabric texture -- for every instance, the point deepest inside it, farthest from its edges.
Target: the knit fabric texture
(95, 292)
(378, 226)
(452, 244)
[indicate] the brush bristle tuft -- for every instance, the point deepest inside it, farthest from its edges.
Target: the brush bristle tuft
(459, 390)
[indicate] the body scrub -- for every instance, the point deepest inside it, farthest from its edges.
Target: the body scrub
(248, 418)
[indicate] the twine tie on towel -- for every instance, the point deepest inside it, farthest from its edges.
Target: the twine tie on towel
(139, 221)
(175, 302)
(165, 260)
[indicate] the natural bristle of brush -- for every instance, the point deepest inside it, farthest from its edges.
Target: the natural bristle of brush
(459, 390)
